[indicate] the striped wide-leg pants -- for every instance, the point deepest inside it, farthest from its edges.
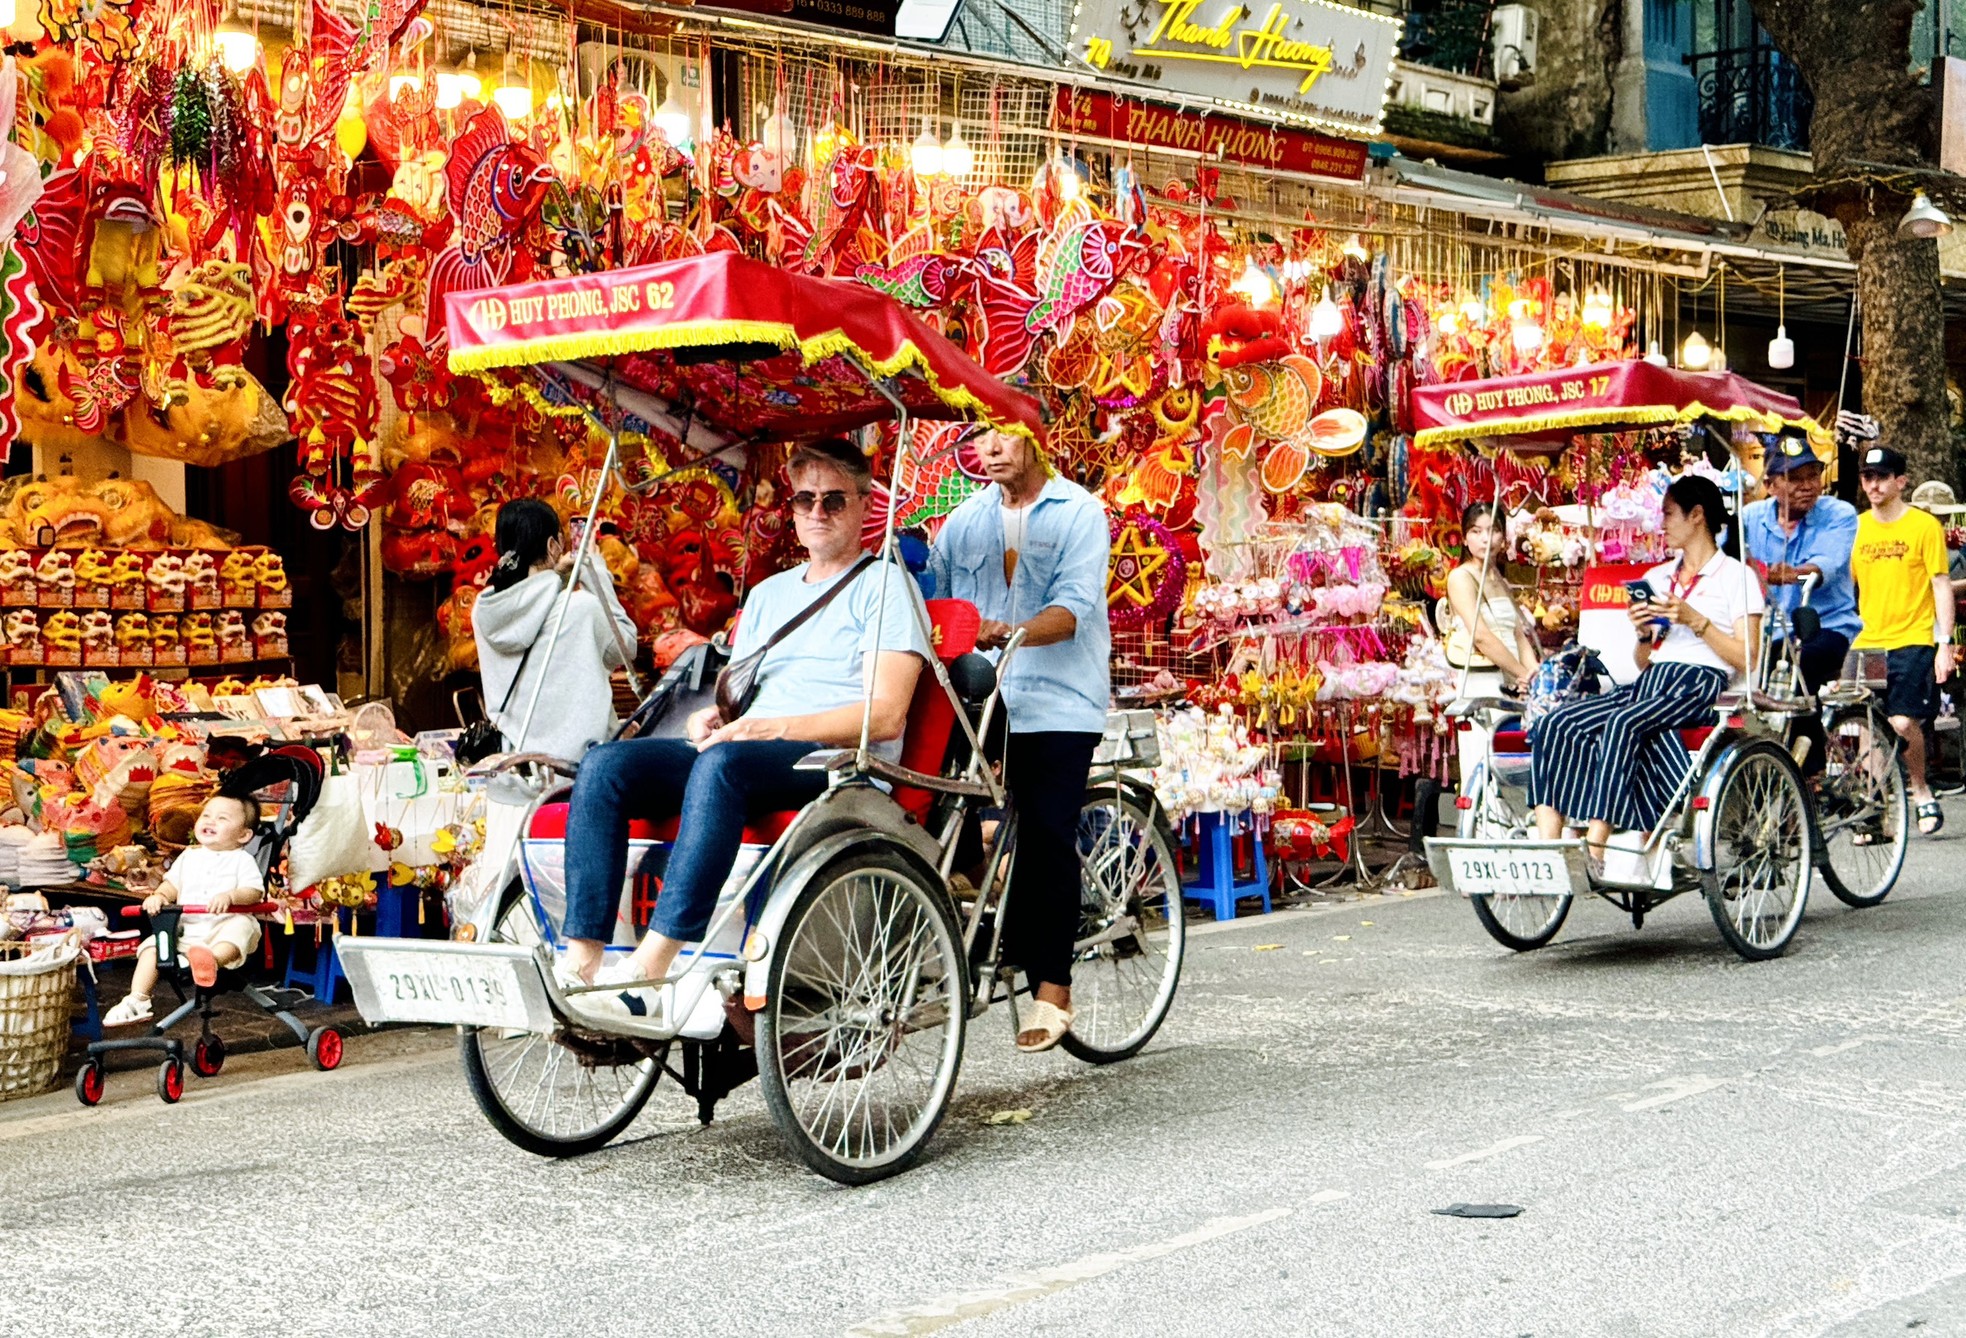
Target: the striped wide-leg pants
(1616, 757)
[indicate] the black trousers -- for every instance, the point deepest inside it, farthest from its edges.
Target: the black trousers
(1047, 775)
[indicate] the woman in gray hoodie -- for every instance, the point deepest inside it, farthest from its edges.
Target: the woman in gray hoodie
(512, 619)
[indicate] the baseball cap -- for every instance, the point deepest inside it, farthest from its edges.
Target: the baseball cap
(1881, 460)
(1786, 453)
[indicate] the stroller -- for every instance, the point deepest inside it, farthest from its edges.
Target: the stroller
(286, 781)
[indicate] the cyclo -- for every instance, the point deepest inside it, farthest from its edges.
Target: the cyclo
(839, 967)
(1765, 799)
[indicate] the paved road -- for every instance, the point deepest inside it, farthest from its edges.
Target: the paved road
(1700, 1147)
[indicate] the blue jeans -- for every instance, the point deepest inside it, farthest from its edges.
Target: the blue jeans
(714, 792)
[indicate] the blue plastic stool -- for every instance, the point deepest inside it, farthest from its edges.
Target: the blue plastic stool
(323, 979)
(1215, 853)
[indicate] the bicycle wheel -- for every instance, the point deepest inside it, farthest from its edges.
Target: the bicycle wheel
(1863, 810)
(862, 1033)
(555, 1095)
(1759, 884)
(1522, 923)
(1131, 929)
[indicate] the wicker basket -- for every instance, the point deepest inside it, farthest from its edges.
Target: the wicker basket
(36, 991)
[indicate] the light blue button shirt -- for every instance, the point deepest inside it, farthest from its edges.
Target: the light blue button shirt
(1822, 538)
(1062, 563)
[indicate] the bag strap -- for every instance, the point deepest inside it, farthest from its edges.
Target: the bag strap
(514, 686)
(798, 620)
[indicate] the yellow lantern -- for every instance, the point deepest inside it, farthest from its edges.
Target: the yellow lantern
(351, 132)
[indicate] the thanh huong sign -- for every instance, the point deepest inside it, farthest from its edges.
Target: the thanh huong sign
(1308, 59)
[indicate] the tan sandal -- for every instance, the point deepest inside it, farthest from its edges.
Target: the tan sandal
(1047, 1018)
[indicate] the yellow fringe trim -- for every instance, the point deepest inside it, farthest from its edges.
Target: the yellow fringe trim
(501, 394)
(687, 334)
(1584, 419)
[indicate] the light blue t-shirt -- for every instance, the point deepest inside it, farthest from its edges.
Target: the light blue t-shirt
(823, 663)
(1062, 563)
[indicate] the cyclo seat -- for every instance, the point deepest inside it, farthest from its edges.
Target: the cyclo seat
(1516, 741)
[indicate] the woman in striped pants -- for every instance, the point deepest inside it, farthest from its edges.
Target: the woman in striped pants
(1613, 762)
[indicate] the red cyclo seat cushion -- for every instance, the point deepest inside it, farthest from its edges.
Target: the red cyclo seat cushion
(1514, 741)
(550, 824)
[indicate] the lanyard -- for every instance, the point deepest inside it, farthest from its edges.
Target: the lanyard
(1687, 593)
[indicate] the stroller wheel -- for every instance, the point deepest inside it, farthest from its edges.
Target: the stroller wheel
(324, 1048)
(208, 1056)
(170, 1081)
(89, 1083)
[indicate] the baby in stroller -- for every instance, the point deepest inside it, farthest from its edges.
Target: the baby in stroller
(217, 873)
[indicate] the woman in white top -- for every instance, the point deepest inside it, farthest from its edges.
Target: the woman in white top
(1614, 761)
(1486, 633)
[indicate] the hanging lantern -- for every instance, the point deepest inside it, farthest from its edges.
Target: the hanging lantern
(1696, 352)
(351, 132)
(515, 100)
(1597, 309)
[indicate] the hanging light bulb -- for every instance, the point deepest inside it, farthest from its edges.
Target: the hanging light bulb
(1449, 323)
(1654, 356)
(238, 50)
(671, 119)
(1255, 285)
(1526, 335)
(9, 11)
(926, 154)
(454, 87)
(1718, 361)
(1475, 313)
(1597, 309)
(1924, 219)
(1781, 349)
(1326, 321)
(1696, 352)
(958, 159)
(1355, 248)
(779, 136)
(515, 100)
(1070, 187)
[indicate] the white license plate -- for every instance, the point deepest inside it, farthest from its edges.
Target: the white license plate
(1485, 873)
(448, 989)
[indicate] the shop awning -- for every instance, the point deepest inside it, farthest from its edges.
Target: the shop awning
(1550, 407)
(732, 345)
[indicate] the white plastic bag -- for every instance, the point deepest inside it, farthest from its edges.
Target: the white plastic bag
(333, 840)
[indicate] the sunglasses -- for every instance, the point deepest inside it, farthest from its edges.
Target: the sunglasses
(831, 502)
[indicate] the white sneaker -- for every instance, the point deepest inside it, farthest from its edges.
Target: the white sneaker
(642, 1004)
(132, 1008)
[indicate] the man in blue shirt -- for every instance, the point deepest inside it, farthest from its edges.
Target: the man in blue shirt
(1030, 551)
(1795, 532)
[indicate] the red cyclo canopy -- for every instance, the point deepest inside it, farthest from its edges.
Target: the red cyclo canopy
(1551, 407)
(697, 335)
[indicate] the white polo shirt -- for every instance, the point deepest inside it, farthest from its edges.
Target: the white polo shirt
(1725, 591)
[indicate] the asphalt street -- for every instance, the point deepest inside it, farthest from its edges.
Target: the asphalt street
(1698, 1146)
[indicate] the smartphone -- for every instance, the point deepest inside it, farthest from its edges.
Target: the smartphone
(1640, 592)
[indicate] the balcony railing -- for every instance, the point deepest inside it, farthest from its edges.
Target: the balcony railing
(1751, 95)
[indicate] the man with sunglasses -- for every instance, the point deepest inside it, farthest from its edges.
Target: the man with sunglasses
(1030, 550)
(811, 687)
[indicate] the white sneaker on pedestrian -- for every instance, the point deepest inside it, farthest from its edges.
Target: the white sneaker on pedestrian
(133, 1008)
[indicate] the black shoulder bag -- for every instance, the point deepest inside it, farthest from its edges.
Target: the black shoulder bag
(482, 738)
(737, 685)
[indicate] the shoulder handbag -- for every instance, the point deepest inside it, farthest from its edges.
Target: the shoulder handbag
(482, 738)
(737, 685)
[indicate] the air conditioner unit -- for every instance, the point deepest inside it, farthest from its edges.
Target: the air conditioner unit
(1515, 28)
(643, 70)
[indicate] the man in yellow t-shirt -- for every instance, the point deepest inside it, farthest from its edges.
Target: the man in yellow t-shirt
(1904, 594)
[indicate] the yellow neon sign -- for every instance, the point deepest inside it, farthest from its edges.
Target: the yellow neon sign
(1262, 46)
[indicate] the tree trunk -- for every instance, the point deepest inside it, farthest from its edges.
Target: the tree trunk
(1872, 114)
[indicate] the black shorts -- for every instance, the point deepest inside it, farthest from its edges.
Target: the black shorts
(1909, 689)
